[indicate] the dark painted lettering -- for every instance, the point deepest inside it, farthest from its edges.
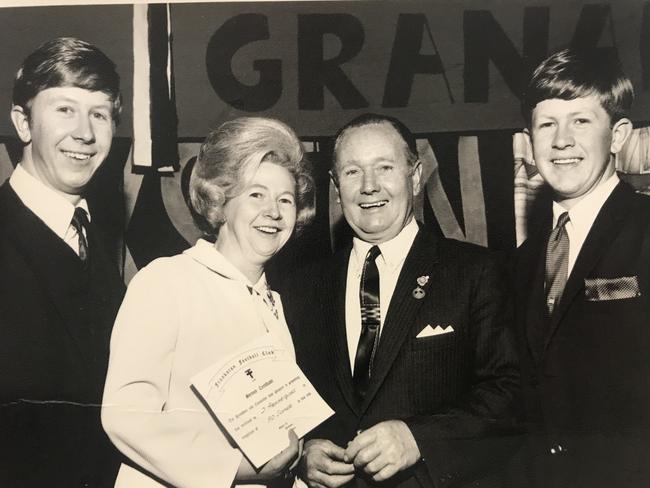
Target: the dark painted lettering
(224, 43)
(406, 60)
(590, 26)
(316, 73)
(535, 46)
(593, 21)
(486, 41)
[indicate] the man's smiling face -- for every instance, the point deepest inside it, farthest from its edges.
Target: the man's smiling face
(68, 132)
(572, 144)
(375, 183)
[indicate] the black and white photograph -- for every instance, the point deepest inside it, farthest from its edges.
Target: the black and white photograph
(325, 244)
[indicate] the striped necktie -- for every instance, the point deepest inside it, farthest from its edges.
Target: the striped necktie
(370, 320)
(557, 263)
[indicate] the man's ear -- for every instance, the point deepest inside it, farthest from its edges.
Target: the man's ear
(335, 182)
(416, 177)
(21, 123)
(620, 133)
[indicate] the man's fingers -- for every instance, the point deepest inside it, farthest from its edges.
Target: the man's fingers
(365, 439)
(323, 464)
(386, 472)
(366, 455)
(319, 461)
(339, 468)
(333, 451)
(332, 481)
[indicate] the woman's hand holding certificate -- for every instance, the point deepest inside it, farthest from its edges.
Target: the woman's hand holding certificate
(258, 394)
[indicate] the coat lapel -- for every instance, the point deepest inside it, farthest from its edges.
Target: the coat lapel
(55, 265)
(402, 310)
(604, 230)
(338, 339)
(530, 285)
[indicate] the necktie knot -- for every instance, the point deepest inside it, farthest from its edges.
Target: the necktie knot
(562, 220)
(373, 253)
(80, 219)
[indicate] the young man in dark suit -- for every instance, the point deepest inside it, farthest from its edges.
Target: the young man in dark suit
(59, 289)
(582, 284)
(406, 335)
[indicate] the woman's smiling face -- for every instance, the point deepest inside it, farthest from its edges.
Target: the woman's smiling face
(260, 220)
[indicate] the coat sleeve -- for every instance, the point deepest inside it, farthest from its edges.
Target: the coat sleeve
(467, 439)
(182, 446)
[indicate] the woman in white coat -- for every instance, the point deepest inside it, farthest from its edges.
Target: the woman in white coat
(249, 189)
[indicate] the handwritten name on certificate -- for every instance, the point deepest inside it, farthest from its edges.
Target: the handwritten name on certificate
(258, 394)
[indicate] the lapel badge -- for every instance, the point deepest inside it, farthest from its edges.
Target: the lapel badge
(423, 280)
(418, 293)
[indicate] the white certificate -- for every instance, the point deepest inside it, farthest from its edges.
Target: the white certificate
(258, 394)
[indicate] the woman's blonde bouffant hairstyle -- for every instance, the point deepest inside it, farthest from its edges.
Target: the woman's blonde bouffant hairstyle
(230, 156)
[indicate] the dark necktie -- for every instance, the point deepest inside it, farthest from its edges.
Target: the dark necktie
(370, 315)
(557, 262)
(80, 222)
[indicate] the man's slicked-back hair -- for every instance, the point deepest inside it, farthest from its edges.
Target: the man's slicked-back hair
(569, 74)
(67, 62)
(411, 148)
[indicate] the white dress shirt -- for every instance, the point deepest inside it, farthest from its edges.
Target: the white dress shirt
(582, 216)
(54, 210)
(389, 265)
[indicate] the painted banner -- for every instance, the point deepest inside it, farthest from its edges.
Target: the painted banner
(439, 65)
(23, 29)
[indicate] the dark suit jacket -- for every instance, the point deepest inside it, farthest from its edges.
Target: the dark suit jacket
(586, 369)
(454, 391)
(55, 324)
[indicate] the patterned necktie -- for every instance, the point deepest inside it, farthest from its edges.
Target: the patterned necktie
(80, 222)
(370, 315)
(557, 263)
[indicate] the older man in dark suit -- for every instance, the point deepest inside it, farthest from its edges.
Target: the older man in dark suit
(59, 291)
(583, 284)
(406, 335)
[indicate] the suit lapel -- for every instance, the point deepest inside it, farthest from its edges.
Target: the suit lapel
(55, 265)
(338, 338)
(530, 285)
(603, 232)
(402, 310)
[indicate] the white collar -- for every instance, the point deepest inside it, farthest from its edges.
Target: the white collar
(53, 209)
(584, 212)
(207, 254)
(393, 251)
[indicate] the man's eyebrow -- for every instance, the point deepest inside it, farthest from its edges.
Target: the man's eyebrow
(68, 99)
(378, 159)
(63, 98)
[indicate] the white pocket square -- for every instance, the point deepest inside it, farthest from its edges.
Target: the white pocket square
(429, 331)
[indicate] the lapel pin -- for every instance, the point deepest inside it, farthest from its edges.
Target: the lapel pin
(418, 292)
